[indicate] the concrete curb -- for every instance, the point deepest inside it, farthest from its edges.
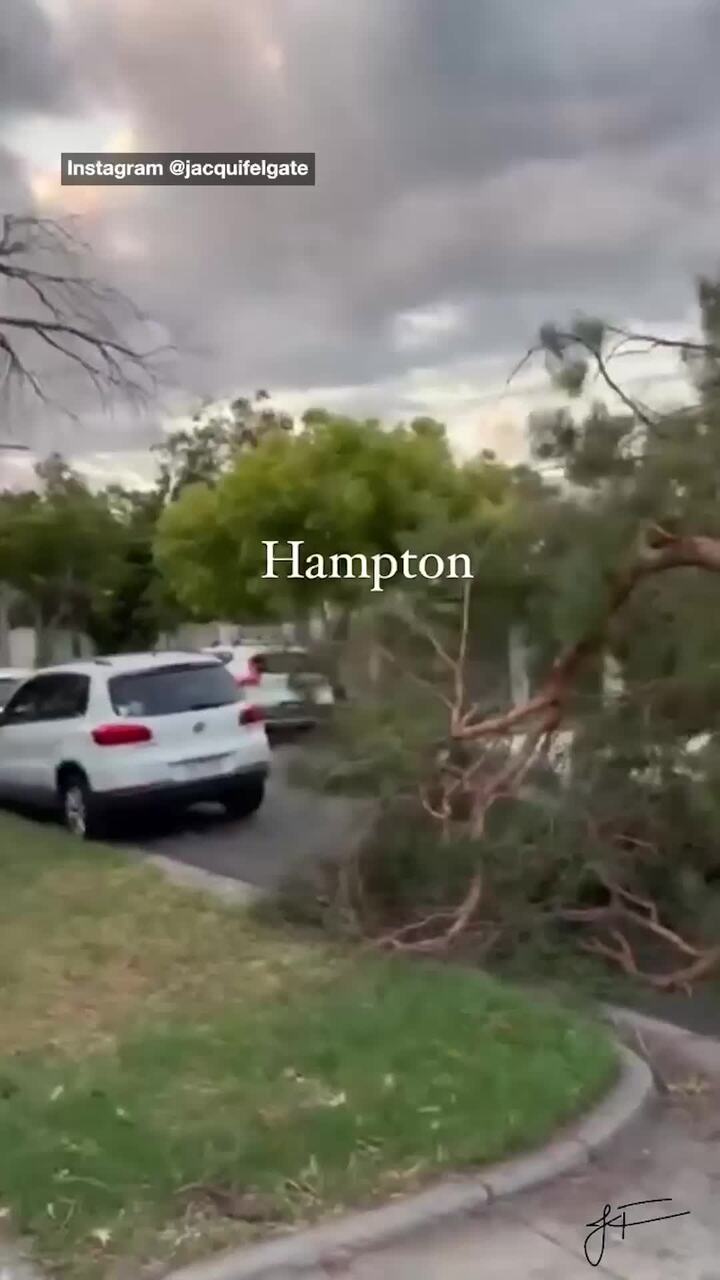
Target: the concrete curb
(227, 889)
(701, 1052)
(333, 1243)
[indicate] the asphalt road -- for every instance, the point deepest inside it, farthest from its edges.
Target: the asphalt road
(293, 827)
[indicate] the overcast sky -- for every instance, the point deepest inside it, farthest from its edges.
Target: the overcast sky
(482, 165)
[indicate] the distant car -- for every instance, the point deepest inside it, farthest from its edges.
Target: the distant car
(94, 738)
(281, 681)
(10, 678)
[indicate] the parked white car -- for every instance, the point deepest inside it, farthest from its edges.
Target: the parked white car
(280, 680)
(10, 679)
(95, 737)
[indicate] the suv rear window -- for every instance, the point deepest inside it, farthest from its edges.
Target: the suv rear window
(301, 669)
(169, 691)
(282, 662)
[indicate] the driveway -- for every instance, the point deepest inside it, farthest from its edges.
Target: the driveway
(293, 828)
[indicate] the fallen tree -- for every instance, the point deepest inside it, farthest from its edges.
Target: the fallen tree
(476, 786)
(488, 758)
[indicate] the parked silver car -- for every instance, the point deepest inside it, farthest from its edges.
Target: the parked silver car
(281, 680)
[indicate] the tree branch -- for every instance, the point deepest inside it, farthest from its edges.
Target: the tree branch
(68, 312)
(662, 552)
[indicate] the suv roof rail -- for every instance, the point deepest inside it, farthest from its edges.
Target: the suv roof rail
(175, 648)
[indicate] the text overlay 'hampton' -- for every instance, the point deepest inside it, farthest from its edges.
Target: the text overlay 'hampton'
(376, 569)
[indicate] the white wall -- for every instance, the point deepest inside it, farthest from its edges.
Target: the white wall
(22, 641)
(65, 647)
(199, 635)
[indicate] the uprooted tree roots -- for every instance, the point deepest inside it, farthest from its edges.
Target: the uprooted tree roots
(608, 925)
(641, 913)
(496, 754)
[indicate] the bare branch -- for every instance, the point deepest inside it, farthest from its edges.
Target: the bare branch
(425, 632)
(462, 651)
(532, 351)
(676, 344)
(566, 340)
(468, 907)
(634, 405)
(15, 366)
(67, 311)
(424, 684)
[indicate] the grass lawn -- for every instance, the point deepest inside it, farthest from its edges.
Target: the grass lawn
(176, 1078)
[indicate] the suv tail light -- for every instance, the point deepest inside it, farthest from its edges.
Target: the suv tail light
(121, 735)
(254, 673)
(252, 715)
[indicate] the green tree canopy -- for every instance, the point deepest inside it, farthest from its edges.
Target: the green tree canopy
(206, 450)
(139, 606)
(59, 547)
(339, 486)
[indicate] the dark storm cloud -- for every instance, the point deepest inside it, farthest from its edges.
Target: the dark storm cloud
(33, 70)
(502, 154)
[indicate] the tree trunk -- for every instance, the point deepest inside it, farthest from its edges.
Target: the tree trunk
(40, 629)
(303, 634)
(376, 664)
(518, 662)
(45, 629)
(333, 643)
(341, 626)
(661, 553)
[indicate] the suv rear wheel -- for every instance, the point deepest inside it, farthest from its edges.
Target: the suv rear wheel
(79, 809)
(246, 799)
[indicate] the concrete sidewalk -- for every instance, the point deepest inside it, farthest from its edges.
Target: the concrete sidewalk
(14, 1267)
(540, 1235)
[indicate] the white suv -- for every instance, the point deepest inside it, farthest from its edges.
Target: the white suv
(93, 737)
